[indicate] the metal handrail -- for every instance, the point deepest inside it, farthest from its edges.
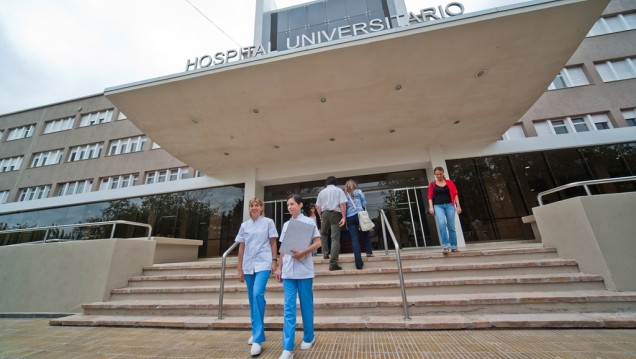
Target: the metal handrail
(385, 225)
(91, 224)
(221, 289)
(585, 186)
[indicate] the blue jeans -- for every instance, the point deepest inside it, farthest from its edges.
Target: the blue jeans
(256, 295)
(445, 218)
(302, 287)
(353, 224)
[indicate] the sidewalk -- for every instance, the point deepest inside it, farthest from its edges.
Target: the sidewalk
(34, 338)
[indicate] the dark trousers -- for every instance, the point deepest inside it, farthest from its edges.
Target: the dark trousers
(329, 221)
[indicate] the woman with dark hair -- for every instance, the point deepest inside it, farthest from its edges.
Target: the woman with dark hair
(442, 203)
(256, 261)
(297, 274)
(355, 203)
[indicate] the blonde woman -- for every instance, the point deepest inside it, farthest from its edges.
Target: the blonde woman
(356, 202)
(443, 202)
(256, 261)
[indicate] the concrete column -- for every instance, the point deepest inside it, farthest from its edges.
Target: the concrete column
(252, 189)
(438, 159)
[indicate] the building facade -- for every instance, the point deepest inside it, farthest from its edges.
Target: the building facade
(94, 158)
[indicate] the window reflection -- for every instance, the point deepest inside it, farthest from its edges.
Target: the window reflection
(292, 23)
(212, 215)
(498, 190)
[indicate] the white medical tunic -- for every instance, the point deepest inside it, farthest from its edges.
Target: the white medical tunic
(303, 268)
(257, 255)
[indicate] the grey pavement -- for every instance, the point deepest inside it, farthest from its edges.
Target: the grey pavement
(34, 338)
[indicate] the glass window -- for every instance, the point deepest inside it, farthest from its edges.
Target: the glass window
(336, 10)
(580, 125)
(34, 193)
(356, 7)
(616, 23)
(567, 166)
(607, 162)
(534, 177)
(317, 13)
(96, 118)
(616, 69)
(127, 145)
(375, 6)
(10, 164)
(59, 125)
(20, 132)
(4, 196)
(78, 153)
(569, 77)
(630, 116)
(297, 17)
(46, 158)
(559, 127)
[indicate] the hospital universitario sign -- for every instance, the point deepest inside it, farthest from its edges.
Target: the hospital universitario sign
(362, 28)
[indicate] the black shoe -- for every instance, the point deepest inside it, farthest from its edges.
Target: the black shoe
(325, 256)
(335, 267)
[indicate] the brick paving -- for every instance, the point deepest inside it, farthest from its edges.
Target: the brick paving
(34, 338)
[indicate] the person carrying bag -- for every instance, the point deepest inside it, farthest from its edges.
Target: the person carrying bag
(358, 222)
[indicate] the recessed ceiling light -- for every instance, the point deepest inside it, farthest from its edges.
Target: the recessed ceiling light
(332, 139)
(391, 131)
(255, 110)
(276, 146)
(323, 99)
(398, 87)
(194, 120)
(225, 153)
(457, 122)
(479, 74)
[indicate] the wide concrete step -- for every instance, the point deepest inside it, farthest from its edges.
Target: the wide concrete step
(449, 270)
(379, 288)
(395, 322)
(380, 260)
(474, 303)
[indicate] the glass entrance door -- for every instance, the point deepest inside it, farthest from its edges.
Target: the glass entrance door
(406, 210)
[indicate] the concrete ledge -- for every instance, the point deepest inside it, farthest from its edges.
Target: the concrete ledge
(533, 223)
(597, 231)
(174, 250)
(59, 277)
(433, 322)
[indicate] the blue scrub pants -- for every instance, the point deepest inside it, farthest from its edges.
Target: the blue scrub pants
(256, 294)
(306, 296)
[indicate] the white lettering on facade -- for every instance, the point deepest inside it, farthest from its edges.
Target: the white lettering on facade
(375, 25)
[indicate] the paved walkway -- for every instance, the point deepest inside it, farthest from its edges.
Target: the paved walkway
(34, 338)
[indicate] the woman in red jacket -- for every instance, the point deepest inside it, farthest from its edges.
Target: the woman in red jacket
(442, 203)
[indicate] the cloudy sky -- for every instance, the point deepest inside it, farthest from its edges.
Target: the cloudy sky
(57, 50)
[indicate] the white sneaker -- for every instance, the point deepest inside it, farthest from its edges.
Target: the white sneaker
(304, 345)
(250, 340)
(286, 355)
(256, 349)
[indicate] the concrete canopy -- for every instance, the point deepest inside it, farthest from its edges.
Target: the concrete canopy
(451, 81)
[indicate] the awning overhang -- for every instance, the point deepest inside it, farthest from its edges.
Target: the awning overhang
(457, 80)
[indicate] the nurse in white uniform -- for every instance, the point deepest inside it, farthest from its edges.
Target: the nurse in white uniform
(297, 273)
(256, 261)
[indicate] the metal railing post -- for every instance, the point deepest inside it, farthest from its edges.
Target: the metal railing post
(222, 285)
(91, 224)
(112, 231)
(399, 264)
(585, 185)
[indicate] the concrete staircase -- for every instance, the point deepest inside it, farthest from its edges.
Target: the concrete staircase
(506, 285)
